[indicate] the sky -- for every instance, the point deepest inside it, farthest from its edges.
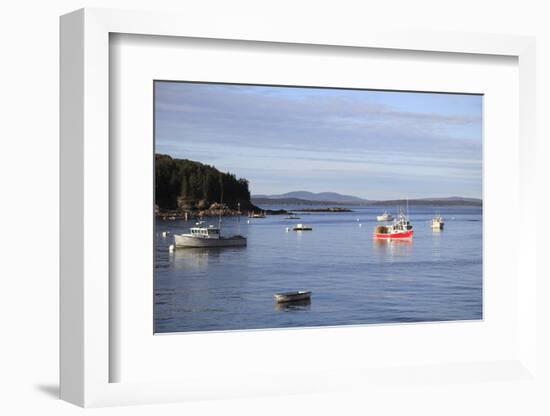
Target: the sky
(370, 144)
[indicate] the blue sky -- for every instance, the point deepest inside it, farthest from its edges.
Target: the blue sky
(372, 144)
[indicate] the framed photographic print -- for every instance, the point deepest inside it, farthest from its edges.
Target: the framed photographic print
(310, 202)
(284, 206)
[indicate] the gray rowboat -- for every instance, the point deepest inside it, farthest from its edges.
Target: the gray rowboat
(295, 296)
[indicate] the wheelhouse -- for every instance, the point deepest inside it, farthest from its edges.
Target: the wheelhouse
(205, 232)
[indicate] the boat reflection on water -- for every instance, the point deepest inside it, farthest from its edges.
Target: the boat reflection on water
(393, 248)
(300, 305)
(436, 249)
(199, 258)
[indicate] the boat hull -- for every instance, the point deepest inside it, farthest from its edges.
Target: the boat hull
(189, 241)
(292, 297)
(394, 236)
(302, 227)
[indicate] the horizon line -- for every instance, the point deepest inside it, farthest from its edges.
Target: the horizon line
(278, 196)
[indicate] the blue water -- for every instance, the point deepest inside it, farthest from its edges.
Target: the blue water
(354, 279)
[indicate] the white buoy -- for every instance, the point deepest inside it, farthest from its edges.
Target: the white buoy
(357, 219)
(248, 221)
(171, 248)
(360, 225)
(287, 229)
(164, 233)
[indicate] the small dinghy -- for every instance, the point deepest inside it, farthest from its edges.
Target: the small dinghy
(295, 296)
(302, 227)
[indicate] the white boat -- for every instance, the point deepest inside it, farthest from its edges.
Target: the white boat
(386, 216)
(302, 227)
(437, 222)
(202, 236)
(257, 214)
(292, 217)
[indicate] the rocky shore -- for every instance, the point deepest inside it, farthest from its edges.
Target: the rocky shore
(328, 209)
(187, 210)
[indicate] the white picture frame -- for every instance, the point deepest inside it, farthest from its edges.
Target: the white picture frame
(85, 211)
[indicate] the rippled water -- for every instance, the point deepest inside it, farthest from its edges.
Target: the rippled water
(354, 279)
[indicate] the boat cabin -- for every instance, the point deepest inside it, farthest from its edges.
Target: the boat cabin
(403, 224)
(437, 223)
(205, 232)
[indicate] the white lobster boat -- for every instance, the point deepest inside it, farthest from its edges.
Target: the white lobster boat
(386, 216)
(438, 223)
(201, 236)
(302, 227)
(257, 214)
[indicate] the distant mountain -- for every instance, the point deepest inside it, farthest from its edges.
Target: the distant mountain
(333, 198)
(262, 201)
(450, 201)
(319, 197)
(458, 198)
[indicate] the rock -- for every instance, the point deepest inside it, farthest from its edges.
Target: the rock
(217, 206)
(185, 204)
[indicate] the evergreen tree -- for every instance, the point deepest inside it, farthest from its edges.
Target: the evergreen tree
(194, 181)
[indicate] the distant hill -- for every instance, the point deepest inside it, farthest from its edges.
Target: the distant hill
(451, 201)
(324, 198)
(294, 201)
(333, 198)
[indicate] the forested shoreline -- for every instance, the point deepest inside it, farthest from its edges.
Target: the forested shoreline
(187, 186)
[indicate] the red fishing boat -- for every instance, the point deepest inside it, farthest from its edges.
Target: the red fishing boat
(400, 229)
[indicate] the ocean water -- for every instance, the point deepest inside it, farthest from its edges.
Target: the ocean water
(354, 279)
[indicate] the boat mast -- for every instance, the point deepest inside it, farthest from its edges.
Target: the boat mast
(239, 217)
(221, 204)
